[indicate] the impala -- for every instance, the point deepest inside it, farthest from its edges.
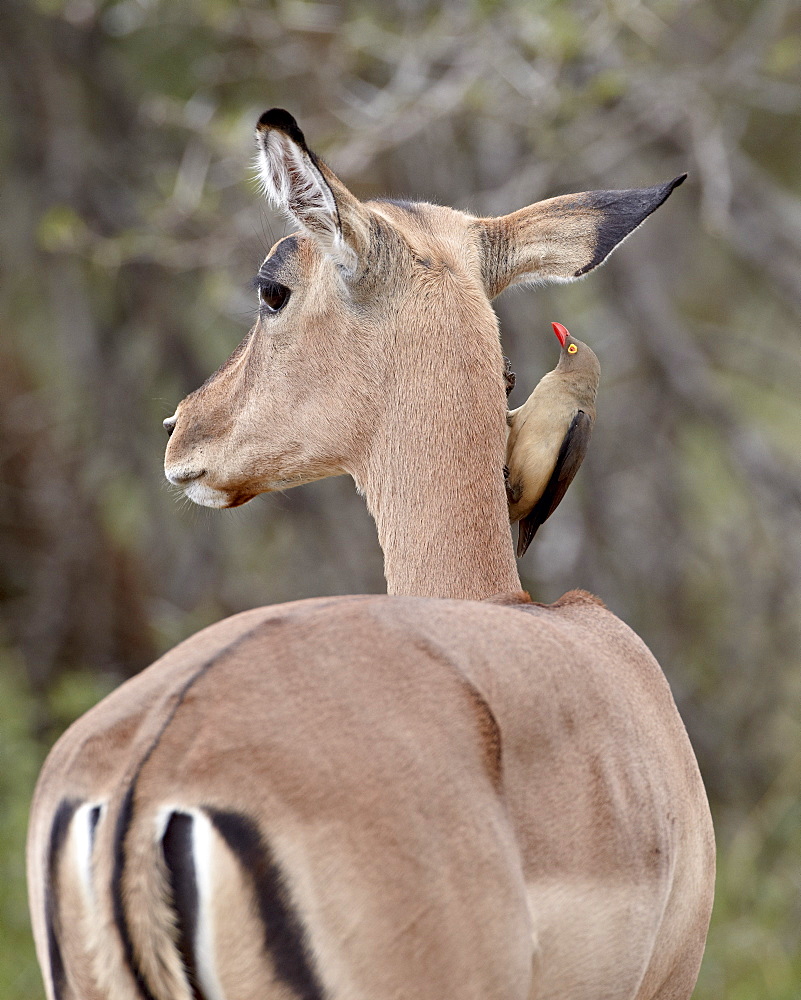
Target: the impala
(444, 792)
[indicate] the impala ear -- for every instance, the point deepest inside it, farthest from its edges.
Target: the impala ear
(563, 238)
(300, 184)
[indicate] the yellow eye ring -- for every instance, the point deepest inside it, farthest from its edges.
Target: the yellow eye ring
(571, 349)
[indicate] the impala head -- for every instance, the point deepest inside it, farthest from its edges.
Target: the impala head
(369, 313)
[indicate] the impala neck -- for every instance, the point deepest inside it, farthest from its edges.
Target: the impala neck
(433, 477)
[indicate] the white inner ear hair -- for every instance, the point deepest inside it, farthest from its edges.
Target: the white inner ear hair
(294, 184)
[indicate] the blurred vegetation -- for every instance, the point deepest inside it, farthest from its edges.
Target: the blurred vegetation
(128, 235)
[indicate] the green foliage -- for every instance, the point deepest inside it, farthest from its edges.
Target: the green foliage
(21, 756)
(753, 947)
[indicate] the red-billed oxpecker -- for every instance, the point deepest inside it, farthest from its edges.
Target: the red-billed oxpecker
(548, 436)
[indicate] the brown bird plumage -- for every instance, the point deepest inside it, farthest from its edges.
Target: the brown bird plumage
(548, 436)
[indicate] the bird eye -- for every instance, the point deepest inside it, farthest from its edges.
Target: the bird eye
(571, 348)
(272, 296)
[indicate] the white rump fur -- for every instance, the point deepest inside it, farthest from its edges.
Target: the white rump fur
(293, 183)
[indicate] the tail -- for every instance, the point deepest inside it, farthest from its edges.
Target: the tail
(153, 897)
(527, 529)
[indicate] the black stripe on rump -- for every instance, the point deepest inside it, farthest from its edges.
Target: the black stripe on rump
(94, 819)
(177, 847)
(58, 834)
(284, 936)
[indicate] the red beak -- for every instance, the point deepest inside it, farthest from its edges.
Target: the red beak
(562, 332)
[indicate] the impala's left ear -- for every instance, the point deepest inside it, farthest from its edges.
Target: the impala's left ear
(299, 183)
(563, 238)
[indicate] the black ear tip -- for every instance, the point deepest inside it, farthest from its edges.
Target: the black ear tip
(656, 196)
(283, 121)
(277, 118)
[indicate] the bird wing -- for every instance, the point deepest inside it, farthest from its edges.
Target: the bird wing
(571, 454)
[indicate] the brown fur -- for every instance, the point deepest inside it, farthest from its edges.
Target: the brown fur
(489, 799)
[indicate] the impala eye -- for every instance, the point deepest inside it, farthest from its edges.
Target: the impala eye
(272, 296)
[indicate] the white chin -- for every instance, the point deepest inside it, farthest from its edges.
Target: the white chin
(206, 496)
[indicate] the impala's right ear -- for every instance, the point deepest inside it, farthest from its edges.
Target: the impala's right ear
(563, 238)
(300, 184)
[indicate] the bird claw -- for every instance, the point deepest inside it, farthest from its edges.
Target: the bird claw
(508, 376)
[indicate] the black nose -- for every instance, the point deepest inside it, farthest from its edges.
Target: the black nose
(169, 425)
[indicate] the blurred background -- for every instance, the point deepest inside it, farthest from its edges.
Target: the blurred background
(130, 228)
